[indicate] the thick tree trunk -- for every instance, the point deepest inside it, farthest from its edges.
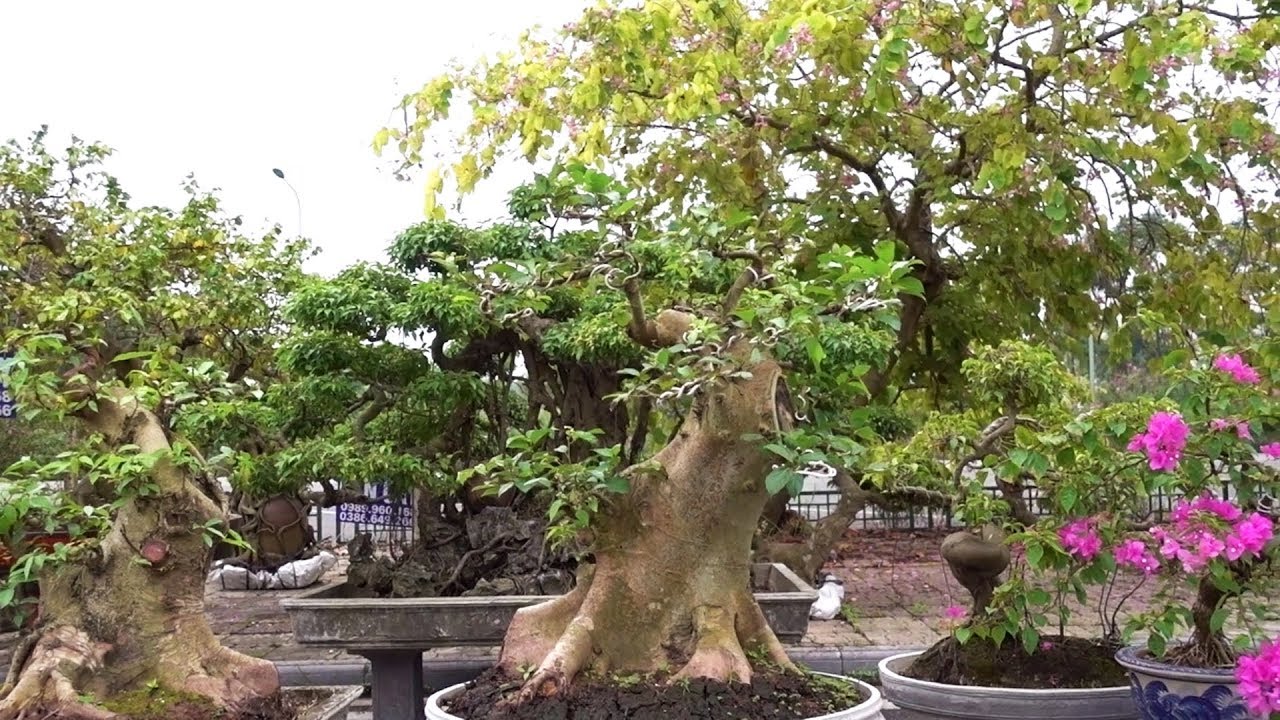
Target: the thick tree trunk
(133, 612)
(670, 589)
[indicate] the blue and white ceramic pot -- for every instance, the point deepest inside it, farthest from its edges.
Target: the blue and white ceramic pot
(1172, 692)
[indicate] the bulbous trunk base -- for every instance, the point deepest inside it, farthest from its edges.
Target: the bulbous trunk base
(670, 592)
(66, 672)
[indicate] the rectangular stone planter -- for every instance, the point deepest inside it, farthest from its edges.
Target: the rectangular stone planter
(329, 615)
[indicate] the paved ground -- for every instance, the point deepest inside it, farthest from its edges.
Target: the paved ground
(896, 592)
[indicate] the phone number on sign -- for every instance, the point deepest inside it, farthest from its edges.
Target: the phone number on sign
(379, 514)
(8, 409)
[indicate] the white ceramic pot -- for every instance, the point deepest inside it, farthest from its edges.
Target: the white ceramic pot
(868, 709)
(939, 700)
(1170, 692)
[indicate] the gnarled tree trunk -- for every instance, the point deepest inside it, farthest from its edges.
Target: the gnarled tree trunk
(133, 612)
(670, 588)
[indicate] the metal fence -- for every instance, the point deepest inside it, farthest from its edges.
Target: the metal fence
(815, 504)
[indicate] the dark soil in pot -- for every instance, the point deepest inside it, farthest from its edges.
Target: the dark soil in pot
(769, 696)
(1058, 663)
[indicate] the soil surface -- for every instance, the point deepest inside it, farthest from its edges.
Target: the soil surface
(769, 696)
(165, 705)
(1058, 663)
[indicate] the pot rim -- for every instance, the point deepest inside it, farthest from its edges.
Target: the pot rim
(1043, 693)
(1136, 658)
(874, 699)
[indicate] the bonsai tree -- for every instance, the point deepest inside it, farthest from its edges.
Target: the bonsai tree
(124, 320)
(652, 379)
(1031, 560)
(1217, 448)
(1004, 148)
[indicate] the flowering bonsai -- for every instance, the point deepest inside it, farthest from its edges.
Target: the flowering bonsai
(1090, 536)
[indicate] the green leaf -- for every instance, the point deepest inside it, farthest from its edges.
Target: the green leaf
(963, 634)
(1218, 619)
(816, 353)
(775, 481)
(1035, 553)
(6, 595)
(1068, 496)
(1030, 639)
(1038, 596)
(617, 483)
(998, 634)
(1156, 644)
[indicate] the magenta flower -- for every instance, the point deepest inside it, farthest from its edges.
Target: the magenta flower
(1080, 538)
(1206, 528)
(1163, 441)
(1134, 554)
(955, 612)
(1237, 368)
(1250, 536)
(1241, 427)
(1271, 450)
(1259, 678)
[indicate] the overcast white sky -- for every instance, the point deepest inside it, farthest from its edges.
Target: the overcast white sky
(229, 90)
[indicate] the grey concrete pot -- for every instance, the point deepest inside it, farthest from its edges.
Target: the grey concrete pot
(333, 708)
(936, 700)
(1164, 691)
(868, 709)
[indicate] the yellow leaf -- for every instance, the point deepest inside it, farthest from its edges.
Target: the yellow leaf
(380, 140)
(431, 205)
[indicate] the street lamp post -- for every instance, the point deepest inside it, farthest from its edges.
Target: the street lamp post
(296, 199)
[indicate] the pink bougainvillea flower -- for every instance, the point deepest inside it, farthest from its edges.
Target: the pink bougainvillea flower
(1163, 441)
(955, 612)
(1241, 427)
(1259, 678)
(1080, 538)
(1249, 536)
(1271, 450)
(1134, 554)
(1237, 368)
(1207, 528)
(1224, 509)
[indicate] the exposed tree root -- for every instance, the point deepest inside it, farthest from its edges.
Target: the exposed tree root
(232, 678)
(56, 665)
(717, 654)
(569, 656)
(536, 630)
(754, 633)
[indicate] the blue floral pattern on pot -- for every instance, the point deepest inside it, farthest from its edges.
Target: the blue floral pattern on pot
(1217, 702)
